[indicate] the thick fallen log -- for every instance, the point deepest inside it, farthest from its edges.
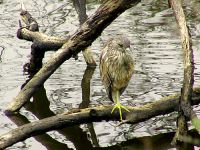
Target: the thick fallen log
(95, 114)
(160, 141)
(81, 39)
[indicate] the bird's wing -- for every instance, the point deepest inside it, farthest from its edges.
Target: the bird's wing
(104, 72)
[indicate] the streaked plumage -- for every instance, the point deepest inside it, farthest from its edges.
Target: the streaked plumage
(116, 67)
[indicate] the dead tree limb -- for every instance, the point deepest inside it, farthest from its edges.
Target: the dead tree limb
(30, 22)
(182, 127)
(31, 33)
(185, 110)
(96, 114)
(41, 43)
(81, 39)
(44, 42)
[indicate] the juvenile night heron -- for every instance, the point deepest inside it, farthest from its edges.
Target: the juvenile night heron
(116, 69)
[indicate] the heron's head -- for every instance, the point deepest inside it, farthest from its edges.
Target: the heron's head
(122, 42)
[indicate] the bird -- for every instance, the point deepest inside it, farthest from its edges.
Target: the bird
(116, 69)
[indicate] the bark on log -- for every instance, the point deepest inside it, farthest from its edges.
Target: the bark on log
(43, 42)
(38, 47)
(188, 60)
(81, 39)
(30, 22)
(186, 90)
(160, 141)
(97, 114)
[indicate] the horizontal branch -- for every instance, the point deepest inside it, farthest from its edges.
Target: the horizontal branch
(96, 114)
(43, 42)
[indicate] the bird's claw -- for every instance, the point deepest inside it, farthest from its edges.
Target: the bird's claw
(120, 107)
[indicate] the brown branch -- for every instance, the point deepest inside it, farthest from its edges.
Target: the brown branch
(81, 39)
(26, 17)
(31, 33)
(185, 110)
(97, 114)
(182, 126)
(43, 42)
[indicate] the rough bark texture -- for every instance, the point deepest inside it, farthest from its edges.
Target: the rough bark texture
(44, 42)
(96, 114)
(185, 109)
(81, 39)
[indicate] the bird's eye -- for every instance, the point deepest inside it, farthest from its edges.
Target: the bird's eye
(121, 45)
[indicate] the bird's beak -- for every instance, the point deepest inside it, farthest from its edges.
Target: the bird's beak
(128, 49)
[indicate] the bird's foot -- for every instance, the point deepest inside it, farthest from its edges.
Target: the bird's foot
(120, 107)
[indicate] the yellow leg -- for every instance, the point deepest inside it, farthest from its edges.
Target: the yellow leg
(118, 104)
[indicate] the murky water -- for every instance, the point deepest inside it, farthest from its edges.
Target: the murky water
(157, 51)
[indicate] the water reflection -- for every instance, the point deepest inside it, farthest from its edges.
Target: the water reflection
(2, 48)
(46, 140)
(39, 107)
